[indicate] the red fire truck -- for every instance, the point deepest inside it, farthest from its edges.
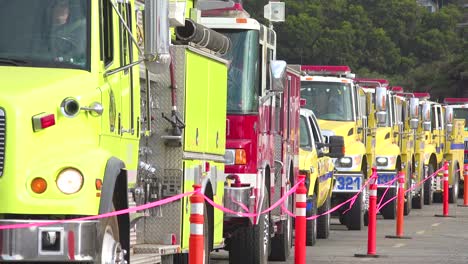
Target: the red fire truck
(262, 134)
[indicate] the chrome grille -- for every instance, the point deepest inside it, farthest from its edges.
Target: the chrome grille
(2, 140)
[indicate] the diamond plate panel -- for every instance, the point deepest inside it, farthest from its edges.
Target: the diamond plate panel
(166, 159)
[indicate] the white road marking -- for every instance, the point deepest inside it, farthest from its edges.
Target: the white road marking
(420, 232)
(399, 245)
(436, 224)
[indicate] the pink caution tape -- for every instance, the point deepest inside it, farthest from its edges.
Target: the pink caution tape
(95, 217)
(412, 188)
(388, 184)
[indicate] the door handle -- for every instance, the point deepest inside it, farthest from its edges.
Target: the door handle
(95, 109)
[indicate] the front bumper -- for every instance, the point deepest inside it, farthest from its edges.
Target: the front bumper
(71, 242)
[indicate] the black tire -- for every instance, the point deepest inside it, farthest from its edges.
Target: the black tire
(108, 227)
(311, 225)
(354, 218)
(389, 210)
(342, 219)
(437, 197)
(281, 244)
(408, 194)
(248, 243)
(323, 222)
(418, 199)
(428, 192)
(454, 191)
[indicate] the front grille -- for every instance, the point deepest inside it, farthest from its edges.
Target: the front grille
(2, 140)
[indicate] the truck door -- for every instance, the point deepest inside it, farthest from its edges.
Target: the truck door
(130, 114)
(438, 131)
(110, 86)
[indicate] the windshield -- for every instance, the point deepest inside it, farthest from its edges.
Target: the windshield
(328, 100)
(44, 33)
(461, 113)
(243, 71)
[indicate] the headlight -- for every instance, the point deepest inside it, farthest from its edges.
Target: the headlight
(382, 161)
(345, 162)
(69, 181)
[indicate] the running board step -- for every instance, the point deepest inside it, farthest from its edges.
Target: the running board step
(145, 259)
(156, 249)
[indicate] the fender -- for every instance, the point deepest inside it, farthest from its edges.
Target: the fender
(115, 186)
(114, 169)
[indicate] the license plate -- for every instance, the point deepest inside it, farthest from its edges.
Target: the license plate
(347, 183)
(385, 180)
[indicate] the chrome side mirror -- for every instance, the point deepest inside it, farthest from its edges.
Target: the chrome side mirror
(277, 75)
(426, 116)
(381, 105)
(449, 119)
(414, 113)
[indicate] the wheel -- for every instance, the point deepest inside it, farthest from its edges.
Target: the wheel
(251, 244)
(409, 194)
(389, 210)
(418, 199)
(354, 218)
(109, 242)
(323, 222)
(311, 225)
(428, 192)
(281, 244)
(453, 192)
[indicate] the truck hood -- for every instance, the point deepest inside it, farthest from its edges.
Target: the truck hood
(34, 83)
(339, 128)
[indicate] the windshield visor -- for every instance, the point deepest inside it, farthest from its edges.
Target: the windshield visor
(44, 33)
(243, 71)
(328, 100)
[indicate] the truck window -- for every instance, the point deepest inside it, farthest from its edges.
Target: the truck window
(315, 130)
(328, 100)
(107, 50)
(461, 113)
(243, 74)
(45, 33)
(304, 134)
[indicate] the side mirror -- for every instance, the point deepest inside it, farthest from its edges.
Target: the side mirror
(426, 116)
(157, 35)
(336, 147)
(277, 75)
(414, 113)
(381, 105)
(449, 119)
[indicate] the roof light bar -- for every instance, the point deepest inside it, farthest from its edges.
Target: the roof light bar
(423, 96)
(455, 100)
(327, 70)
(372, 83)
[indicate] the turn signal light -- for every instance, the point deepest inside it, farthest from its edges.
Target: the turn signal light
(241, 157)
(38, 185)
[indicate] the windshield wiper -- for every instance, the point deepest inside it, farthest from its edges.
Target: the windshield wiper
(15, 62)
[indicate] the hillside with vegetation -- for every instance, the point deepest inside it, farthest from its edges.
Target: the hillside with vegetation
(393, 39)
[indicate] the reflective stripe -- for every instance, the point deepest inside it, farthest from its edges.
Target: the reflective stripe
(445, 178)
(196, 229)
(301, 198)
(372, 192)
(300, 211)
(196, 208)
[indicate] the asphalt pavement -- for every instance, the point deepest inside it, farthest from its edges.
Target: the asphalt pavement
(433, 240)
